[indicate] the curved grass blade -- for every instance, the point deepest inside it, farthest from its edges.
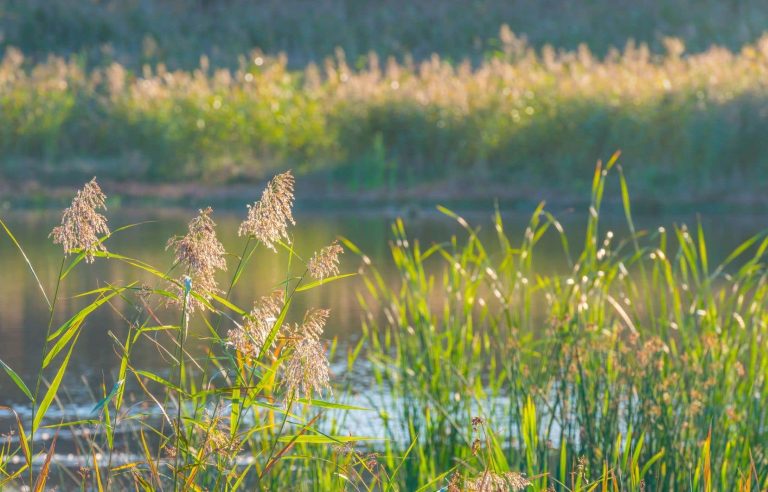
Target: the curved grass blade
(321, 439)
(23, 440)
(81, 255)
(229, 304)
(72, 326)
(26, 259)
(330, 405)
(158, 379)
(53, 388)
(324, 281)
(17, 380)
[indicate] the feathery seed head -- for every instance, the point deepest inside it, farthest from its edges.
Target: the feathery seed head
(489, 481)
(201, 254)
(325, 263)
(307, 370)
(268, 218)
(313, 324)
(81, 223)
(250, 338)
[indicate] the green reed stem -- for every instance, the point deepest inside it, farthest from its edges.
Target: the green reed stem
(40, 370)
(180, 397)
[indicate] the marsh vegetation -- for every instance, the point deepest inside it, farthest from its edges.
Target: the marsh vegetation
(637, 365)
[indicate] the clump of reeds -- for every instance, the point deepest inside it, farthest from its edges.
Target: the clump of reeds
(608, 373)
(218, 409)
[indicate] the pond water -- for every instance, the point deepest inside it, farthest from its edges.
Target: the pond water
(24, 315)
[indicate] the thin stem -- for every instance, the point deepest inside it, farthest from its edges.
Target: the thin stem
(40, 371)
(182, 336)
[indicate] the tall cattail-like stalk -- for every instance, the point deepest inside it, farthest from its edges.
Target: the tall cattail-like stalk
(81, 223)
(201, 254)
(325, 263)
(268, 218)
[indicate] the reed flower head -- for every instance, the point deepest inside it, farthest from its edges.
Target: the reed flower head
(489, 481)
(307, 370)
(268, 218)
(81, 223)
(250, 338)
(325, 263)
(313, 324)
(201, 254)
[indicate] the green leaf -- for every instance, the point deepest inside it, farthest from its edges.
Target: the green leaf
(16, 379)
(72, 424)
(275, 329)
(158, 379)
(72, 326)
(331, 405)
(53, 388)
(318, 283)
(29, 263)
(229, 304)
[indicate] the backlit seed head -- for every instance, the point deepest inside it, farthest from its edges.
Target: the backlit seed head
(307, 370)
(325, 263)
(249, 339)
(313, 324)
(489, 481)
(200, 254)
(268, 218)
(81, 223)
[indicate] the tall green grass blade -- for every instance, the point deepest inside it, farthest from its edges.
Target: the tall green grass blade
(17, 380)
(53, 388)
(26, 260)
(327, 280)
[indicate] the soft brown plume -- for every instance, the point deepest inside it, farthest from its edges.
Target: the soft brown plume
(325, 263)
(200, 254)
(268, 219)
(81, 223)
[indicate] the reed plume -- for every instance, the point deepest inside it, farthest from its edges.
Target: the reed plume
(81, 223)
(489, 481)
(249, 339)
(307, 370)
(268, 218)
(325, 263)
(201, 254)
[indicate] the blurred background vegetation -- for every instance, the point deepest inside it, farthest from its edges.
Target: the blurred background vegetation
(387, 95)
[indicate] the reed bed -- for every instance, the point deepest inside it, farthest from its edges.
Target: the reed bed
(242, 397)
(639, 367)
(687, 122)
